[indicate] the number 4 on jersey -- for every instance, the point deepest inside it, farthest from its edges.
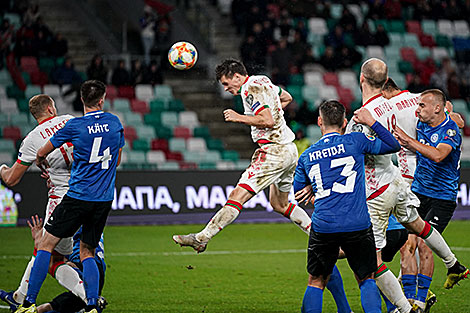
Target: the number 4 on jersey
(95, 158)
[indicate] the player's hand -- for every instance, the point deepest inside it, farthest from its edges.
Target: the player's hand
(402, 137)
(305, 195)
(231, 116)
(46, 176)
(36, 227)
(42, 163)
(363, 116)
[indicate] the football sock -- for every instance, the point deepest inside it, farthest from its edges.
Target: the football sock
(69, 278)
(370, 297)
(389, 285)
(221, 219)
(335, 286)
(313, 300)
(38, 274)
(437, 244)
(409, 285)
(388, 304)
(299, 217)
(91, 278)
(424, 282)
(22, 290)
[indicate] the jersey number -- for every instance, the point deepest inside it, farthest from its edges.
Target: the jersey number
(348, 163)
(95, 158)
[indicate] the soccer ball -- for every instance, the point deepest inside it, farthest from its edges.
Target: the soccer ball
(182, 55)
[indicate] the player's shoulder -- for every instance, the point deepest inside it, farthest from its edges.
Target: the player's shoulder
(257, 82)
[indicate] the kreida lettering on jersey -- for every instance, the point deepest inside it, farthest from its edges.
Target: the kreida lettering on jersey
(328, 152)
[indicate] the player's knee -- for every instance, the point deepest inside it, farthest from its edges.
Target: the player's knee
(86, 251)
(46, 307)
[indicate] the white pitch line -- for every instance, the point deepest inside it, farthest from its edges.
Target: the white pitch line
(4, 307)
(184, 253)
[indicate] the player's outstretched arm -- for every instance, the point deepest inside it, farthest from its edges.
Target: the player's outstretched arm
(436, 154)
(12, 175)
(285, 97)
(456, 117)
(41, 155)
(263, 120)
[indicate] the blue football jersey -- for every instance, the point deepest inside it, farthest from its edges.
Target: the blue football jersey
(334, 166)
(96, 137)
(438, 180)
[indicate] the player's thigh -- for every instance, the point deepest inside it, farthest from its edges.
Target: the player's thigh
(359, 247)
(407, 203)
(395, 240)
(284, 181)
(94, 225)
(322, 253)
(440, 213)
(66, 218)
(379, 209)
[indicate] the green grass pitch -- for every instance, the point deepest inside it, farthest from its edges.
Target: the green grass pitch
(246, 268)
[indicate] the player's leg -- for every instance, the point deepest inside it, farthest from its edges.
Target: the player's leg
(67, 276)
(409, 267)
(280, 202)
(424, 278)
(336, 287)
(313, 296)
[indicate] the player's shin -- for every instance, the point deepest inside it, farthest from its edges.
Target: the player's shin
(409, 285)
(313, 300)
(38, 275)
(299, 217)
(91, 278)
(22, 290)
(370, 296)
(389, 285)
(335, 286)
(68, 278)
(221, 219)
(437, 244)
(424, 282)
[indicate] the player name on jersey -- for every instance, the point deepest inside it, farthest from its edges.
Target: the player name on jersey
(383, 108)
(98, 128)
(328, 152)
(50, 131)
(407, 103)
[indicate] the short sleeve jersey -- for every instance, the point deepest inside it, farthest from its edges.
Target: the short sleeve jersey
(60, 160)
(97, 137)
(258, 93)
(379, 169)
(334, 166)
(406, 104)
(438, 180)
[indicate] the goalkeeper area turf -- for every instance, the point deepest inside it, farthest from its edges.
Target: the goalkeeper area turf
(246, 268)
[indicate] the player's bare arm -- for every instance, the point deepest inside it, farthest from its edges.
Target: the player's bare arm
(436, 154)
(363, 116)
(12, 175)
(305, 195)
(263, 120)
(119, 157)
(285, 98)
(41, 155)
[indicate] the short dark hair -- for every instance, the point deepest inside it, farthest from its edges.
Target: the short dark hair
(228, 68)
(38, 105)
(332, 113)
(390, 85)
(92, 91)
(439, 96)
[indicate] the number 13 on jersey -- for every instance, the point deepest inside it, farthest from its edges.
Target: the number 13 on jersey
(348, 163)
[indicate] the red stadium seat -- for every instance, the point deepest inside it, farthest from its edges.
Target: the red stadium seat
(427, 40)
(346, 97)
(160, 144)
(39, 78)
(413, 27)
(12, 132)
(408, 54)
(126, 92)
(29, 64)
(174, 156)
(130, 133)
(188, 165)
(182, 132)
(140, 106)
(111, 92)
(331, 78)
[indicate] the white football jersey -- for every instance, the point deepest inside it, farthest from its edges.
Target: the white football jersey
(379, 169)
(60, 160)
(406, 104)
(259, 93)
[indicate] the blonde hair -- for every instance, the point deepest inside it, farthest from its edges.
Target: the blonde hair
(38, 105)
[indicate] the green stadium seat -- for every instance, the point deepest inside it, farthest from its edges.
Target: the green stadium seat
(46, 64)
(313, 133)
(5, 78)
(371, 25)
(356, 104)
(4, 119)
(136, 157)
(400, 80)
(194, 156)
(411, 40)
(201, 131)
(7, 145)
(396, 40)
(107, 105)
(163, 92)
(164, 132)
(460, 106)
(423, 53)
(153, 119)
(20, 119)
(405, 67)
(242, 164)
(32, 90)
(392, 53)
(14, 91)
(144, 131)
(207, 166)
(212, 156)
(26, 78)
(176, 105)
(133, 119)
(429, 27)
(230, 155)
(177, 144)
(215, 144)
(384, 23)
(397, 26)
(141, 145)
(169, 119)
(443, 41)
(158, 105)
(121, 105)
(310, 93)
(336, 10)
(297, 79)
(169, 166)
(296, 92)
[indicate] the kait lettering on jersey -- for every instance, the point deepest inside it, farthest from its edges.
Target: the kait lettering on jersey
(328, 152)
(98, 128)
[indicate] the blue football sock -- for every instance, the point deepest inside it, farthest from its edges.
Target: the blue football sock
(409, 286)
(91, 278)
(423, 287)
(370, 297)
(313, 300)
(38, 275)
(390, 306)
(335, 286)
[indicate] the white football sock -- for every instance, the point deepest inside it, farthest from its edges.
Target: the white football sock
(390, 287)
(69, 278)
(22, 290)
(299, 217)
(438, 245)
(222, 218)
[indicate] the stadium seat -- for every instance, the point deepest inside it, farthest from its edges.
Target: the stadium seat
(201, 131)
(296, 92)
(413, 27)
(313, 79)
(460, 106)
(32, 90)
(140, 106)
(169, 119)
(242, 164)
(26, 78)
(348, 79)
(423, 53)
(136, 157)
(39, 78)
(212, 156)
(405, 67)
(429, 27)
(169, 166)
(158, 105)
(176, 105)
(225, 166)
(345, 96)
(107, 105)
(175, 156)
(331, 78)
(426, 40)
(318, 26)
(130, 133)
(20, 119)
(461, 29)
(397, 26)
(411, 40)
(159, 144)
(52, 90)
(438, 53)
(313, 133)
(177, 144)
(29, 64)
(6, 158)
(46, 64)
(7, 145)
(5, 78)
(297, 79)
(445, 27)
(144, 92)
(181, 132)
(8, 106)
(193, 156)
(121, 105)
(230, 155)
(164, 132)
(328, 92)
(408, 54)
(153, 119)
(141, 145)
(14, 18)
(155, 157)
(396, 40)
(375, 52)
(196, 144)
(133, 119)
(111, 92)
(144, 131)
(310, 93)
(215, 144)
(12, 132)
(188, 119)
(163, 92)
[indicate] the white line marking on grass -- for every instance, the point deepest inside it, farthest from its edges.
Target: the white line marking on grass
(4, 307)
(184, 253)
